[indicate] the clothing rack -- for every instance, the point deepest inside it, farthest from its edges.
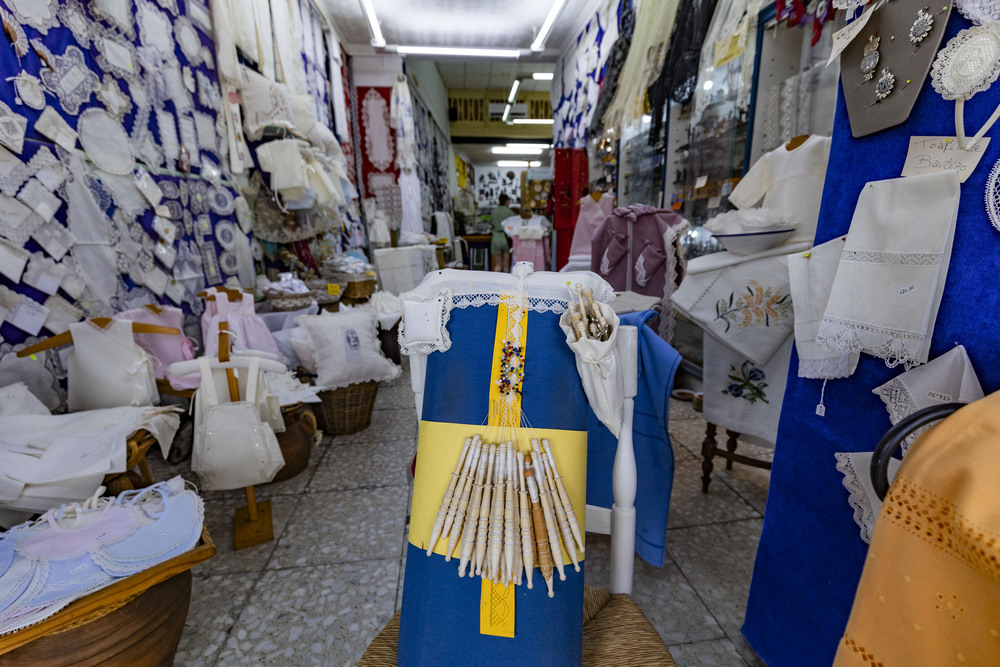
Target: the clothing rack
(896, 435)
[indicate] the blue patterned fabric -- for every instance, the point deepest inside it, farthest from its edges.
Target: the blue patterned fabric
(810, 555)
(654, 455)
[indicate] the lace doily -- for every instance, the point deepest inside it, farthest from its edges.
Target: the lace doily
(61, 314)
(116, 13)
(15, 33)
(188, 40)
(114, 100)
(39, 199)
(205, 128)
(55, 239)
(47, 168)
(993, 196)
(979, 11)
(68, 77)
(52, 126)
(106, 142)
(39, 14)
(43, 274)
(74, 16)
(29, 90)
(969, 63)
(155, 29)
(169, 5)
(12, 128)
(378, 140)
(17, 222)
(221, 200)
(118, 58)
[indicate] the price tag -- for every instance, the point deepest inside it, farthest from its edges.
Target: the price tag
(846, 35)
(700, 182)
(333, 289)
(928, 155)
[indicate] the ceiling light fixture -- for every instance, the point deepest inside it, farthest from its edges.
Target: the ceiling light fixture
(458, 52)
(534, 163)
(507, 150)
(378, 41)
(538, 146)
(506, 113)
(533, 121)
(542, 76)
(513, 91)
(543, 33)
(513, 163)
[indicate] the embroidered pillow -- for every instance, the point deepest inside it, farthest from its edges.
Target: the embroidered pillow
(347, 348)
(424, 328)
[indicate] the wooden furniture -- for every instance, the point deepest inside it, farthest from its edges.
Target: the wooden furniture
(138, 444)
(479, 246)
(66, 337)
(709, 450)
(136, 621)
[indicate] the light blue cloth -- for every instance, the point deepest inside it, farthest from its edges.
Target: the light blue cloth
(654, 455)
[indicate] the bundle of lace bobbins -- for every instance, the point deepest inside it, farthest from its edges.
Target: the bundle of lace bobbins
(505, 507)
(587, 318)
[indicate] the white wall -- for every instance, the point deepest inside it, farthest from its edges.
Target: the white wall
(378, 71)
(426, 83)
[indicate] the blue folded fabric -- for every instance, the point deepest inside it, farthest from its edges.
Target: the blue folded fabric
(654, 455)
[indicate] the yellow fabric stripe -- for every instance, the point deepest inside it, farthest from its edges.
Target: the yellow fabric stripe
(503, 414)
(496, 609)
(439, 446)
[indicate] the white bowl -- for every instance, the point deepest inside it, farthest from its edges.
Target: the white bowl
(753, 242)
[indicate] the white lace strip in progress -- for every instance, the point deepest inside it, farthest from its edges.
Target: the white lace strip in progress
(894, 346)
(899, 258)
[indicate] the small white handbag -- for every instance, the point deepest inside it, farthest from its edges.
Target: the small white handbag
(600, 370)
(233, 448)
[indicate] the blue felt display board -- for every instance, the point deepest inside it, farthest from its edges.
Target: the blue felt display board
(810, 555)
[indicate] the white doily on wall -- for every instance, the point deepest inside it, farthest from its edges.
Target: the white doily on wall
(378, 139)
(979, 11)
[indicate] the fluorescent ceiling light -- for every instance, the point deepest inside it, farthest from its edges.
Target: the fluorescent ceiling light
(506, 113)
(513, 163)
(455, 51)
(533, 121)
(378, 41)
(507, 150)
(538, 146)
(513, 91)
(543, 33)
(542, 76)
(534, 163)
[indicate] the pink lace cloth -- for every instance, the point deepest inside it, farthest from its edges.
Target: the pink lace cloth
(249, 332)
(531, 250)
(164, 349)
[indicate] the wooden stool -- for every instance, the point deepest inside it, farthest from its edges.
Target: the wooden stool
(709, 450)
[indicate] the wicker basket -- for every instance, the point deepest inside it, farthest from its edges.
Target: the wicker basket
(321, 293)
(288, 302)
(346, 410)
(357, 285)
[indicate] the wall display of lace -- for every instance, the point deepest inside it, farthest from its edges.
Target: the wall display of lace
(577, 81)
(801, 104)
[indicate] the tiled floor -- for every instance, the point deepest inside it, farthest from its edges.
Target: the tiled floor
(333, 575)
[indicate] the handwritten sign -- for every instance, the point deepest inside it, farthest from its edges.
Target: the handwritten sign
(846, 35)
(928, 155)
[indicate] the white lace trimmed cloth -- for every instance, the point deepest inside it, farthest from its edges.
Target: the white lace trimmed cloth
(888, 287)
(811, 277)
(441, 291)
(946, 379)
(856, 469)
(968, 64)
(979, 11)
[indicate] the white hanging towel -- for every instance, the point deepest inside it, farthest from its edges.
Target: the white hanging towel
(107, 369)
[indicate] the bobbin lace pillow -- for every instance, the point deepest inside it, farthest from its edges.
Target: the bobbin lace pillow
(424, 327)
(968, 64)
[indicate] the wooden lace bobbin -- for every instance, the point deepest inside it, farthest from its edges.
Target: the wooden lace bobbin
(495, 541)
(550, 520)
(562, 520)
(576, 319)
(538, 526)
(564, 500)
(447, 508)
(509, 522)
(472, 518)
(484, 513)
(465, 494)
(527, 550)
(588, 294)
(518, 568)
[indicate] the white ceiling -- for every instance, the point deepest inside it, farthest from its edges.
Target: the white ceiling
(492, 75)
(466, 23)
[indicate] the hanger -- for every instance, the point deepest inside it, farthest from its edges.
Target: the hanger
(66, 337)
(182, 368)
(154, 307)
(596, 195)
(233, 294)
(795, 142)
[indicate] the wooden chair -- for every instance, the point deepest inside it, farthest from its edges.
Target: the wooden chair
(615, 631)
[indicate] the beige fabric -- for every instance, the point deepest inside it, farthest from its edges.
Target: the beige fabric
(930, 590)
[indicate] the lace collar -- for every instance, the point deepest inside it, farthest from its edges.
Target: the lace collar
(967, 65)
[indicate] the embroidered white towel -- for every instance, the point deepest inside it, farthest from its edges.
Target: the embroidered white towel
(810, 276)
(888, 287)
(946, 379)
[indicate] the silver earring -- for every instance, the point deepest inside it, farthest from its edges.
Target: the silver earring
(922, 26)
(870, 60)
(883, 86)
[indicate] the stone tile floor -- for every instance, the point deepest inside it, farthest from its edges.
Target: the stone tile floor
(320, 591)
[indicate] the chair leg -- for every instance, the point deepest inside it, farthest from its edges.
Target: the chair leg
(731, 445)
(707, 453)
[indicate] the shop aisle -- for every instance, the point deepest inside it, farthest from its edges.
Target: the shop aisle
(333, 576)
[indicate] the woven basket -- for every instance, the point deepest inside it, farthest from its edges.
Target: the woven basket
(357, 285)
(346, 410)
(320, 291)
(286, 302)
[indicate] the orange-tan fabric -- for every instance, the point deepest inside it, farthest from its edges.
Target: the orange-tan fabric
(930, 590)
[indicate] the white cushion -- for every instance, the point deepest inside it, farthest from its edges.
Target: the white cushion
(424, 328)
(347, 348)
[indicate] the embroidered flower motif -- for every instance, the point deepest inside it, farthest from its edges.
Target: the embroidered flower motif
(747, 383)
(760, 305)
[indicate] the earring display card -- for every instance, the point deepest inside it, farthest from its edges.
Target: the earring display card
(887, 99)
